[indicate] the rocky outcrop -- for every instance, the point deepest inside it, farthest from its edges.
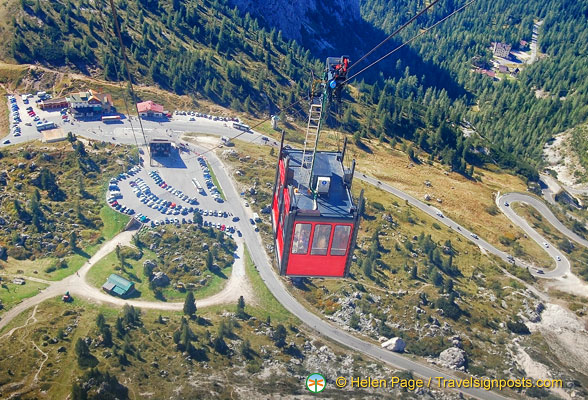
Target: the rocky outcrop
(454, 358)
(395, 344)
(160, 279)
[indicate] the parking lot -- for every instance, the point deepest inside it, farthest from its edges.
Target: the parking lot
(157, 196)
(23, 124)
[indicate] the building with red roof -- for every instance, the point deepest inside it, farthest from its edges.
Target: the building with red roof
(150, 109)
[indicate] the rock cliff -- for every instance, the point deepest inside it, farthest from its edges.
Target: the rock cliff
(317, 24)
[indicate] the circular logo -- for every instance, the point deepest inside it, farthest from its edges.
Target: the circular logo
(316, 383)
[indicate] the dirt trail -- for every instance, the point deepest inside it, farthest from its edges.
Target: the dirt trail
(237, 285)
(32, 317)
(36, 378)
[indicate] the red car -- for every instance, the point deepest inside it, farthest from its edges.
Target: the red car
(223, 227)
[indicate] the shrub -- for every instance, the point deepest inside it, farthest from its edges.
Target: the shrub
(377, 206)
(354, 321)
(518, 327)
(450, 309)
(492, 209)
(50, 269)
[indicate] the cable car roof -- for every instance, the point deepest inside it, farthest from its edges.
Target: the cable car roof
(338, 203)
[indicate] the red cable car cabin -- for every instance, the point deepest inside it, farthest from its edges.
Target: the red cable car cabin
(314, 240)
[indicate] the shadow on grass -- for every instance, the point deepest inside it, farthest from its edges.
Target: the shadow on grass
(203, 321)
(135, 294)
(88, 361)
(363, 147)
(215, 269)
(82, 253)
(301, 283)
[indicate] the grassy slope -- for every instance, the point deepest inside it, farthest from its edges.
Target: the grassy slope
(266, 303)
(114, 222)
(11, 294)
(10, 77)
(150, 344)
(111, 223)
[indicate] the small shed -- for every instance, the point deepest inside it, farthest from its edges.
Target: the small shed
(116, 285)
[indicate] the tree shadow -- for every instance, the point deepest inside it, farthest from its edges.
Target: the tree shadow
(293, 351)
(88, 361)
(199, 354)
(81, 252)
(215, 269)
(203, 321)
(364, 147)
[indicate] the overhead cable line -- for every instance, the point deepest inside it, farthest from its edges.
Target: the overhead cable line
(411, 40)
(401, 28)
(126, 63)
(118, 75)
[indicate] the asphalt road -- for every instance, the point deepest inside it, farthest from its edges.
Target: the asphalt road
(562, 264)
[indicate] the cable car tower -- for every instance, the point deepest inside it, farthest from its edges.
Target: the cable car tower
(314, 218)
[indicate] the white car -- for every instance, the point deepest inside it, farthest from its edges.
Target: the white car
(545, 244)
(558, 258)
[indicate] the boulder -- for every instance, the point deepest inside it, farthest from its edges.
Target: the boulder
(160, 279)
(454, 358)
(395, 344)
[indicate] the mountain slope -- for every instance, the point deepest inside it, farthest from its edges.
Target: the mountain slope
(510, 113)
(204, 50)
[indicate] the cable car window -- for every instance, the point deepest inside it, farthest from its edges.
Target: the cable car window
(320, 241)
(301, 238)
(340, 240)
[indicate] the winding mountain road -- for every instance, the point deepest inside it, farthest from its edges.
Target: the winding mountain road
(563, 265)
